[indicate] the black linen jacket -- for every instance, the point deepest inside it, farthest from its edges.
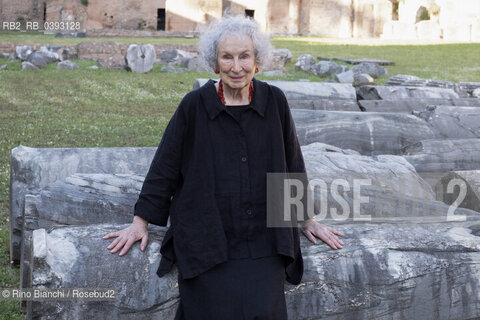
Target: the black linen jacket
(209, 176)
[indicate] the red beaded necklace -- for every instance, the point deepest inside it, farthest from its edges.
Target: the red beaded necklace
(222, 98)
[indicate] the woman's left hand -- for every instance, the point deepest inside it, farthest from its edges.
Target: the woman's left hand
(312, 228)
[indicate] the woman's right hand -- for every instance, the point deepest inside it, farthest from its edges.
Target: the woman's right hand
(128, 236)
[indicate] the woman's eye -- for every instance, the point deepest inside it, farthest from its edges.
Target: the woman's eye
(244, 56)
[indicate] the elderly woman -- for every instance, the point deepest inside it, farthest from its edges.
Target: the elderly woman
(209, 176)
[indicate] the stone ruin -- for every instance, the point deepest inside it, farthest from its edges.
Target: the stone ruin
(122, 56)
(413, 259)
(107, 54)
(181, 58)
(363, 72)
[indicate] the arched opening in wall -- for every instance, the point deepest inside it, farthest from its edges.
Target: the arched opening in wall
(161, 21)
(249, 13)
(44, 11)
(394, 10)
(422, 14)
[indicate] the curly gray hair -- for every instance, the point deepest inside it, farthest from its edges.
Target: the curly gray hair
(237, 25)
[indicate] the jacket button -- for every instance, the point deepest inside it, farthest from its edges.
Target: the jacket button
(249, 212)
(244, 159)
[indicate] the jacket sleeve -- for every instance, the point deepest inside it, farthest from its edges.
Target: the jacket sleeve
(162, 179)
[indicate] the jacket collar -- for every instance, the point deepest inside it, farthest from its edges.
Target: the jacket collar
(214, 106)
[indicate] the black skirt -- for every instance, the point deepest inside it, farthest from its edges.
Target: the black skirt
(240, 289)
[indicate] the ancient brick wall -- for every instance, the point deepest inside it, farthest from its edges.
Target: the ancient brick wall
(456, 19)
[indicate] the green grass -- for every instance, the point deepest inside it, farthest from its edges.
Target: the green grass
(106, 108)
(9, 275)
(453, 62)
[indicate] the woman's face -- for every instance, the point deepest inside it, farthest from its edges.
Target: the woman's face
(236, 61)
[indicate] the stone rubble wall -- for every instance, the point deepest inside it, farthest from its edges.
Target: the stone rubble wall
(99, 49)
(457, 20)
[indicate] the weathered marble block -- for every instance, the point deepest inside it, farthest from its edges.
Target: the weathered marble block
(464, 89)
(384, 271)
(325, 104)
(323, 147)
(435, 158)
(77, 257)
(400, 80)
(80, 199)
(358, 61)
(389, 189)
(388, 271)
(297, 90)
(408, 105)
(140, 57)
(365, 132)
(402, 92)
(444, 155)
(33, 168)
(393, 173)
(84, 198)
(461, 188)
(453, 122)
